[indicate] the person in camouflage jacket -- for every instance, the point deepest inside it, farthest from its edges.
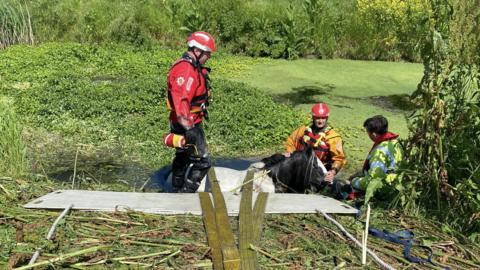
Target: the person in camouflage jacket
(382, 161)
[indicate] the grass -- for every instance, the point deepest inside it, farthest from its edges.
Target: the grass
(354, 91)
(128, 81)
(12, 149)
(297, 241)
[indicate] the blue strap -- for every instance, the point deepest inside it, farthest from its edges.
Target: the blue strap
(358, 206)
(405, 238)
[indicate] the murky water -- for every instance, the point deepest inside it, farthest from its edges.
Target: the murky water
(135, 176)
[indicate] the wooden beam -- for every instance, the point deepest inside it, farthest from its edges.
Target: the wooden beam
(211, 229)
(231, 256)
(248, 256)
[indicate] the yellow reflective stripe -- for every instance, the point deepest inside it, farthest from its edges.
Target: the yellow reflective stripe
(177, 140)
(195, 109)
(169, 106)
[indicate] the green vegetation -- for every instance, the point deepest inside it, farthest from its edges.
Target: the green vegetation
(93, 107)
(382, 30)
(12, 149)
(108, 102)
(445, 131)
(354, 90)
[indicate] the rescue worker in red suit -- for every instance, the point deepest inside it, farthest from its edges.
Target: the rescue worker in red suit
(188, 92)
(326, 143)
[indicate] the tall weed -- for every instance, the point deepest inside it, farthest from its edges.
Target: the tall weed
(443, 146)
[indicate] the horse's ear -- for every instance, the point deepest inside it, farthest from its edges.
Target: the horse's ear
(272, 160)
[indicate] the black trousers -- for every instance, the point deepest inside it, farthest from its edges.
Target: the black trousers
(191, 163)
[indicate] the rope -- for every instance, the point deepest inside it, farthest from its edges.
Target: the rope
(194, 148)
(251, 180)
(374, 256)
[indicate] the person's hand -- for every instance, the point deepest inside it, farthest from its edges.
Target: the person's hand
(287, 154)
(330, 176)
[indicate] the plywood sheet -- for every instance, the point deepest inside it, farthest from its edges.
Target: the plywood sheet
(182, 203)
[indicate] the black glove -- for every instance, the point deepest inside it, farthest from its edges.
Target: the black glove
(191, 135)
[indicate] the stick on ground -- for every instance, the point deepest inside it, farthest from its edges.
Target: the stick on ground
(50, 232)
(374, 256)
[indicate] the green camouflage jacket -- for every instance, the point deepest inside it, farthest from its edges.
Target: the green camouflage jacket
(383, 161)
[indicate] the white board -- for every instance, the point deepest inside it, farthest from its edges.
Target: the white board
(182, 203)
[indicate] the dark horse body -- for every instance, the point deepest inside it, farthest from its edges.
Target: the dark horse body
(295, 174)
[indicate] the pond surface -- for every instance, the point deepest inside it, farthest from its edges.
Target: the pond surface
(133, 175)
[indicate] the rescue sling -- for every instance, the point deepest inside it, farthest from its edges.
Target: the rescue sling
(318, 142)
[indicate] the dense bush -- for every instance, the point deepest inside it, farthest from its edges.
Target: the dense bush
(115, 95)
(380, 29)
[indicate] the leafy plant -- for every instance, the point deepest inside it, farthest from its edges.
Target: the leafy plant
(110, 99)
(445, 128)
(380, 29)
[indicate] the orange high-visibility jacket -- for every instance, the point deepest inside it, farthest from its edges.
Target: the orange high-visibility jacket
(328, 145)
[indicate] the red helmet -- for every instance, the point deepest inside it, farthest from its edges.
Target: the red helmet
(320, 110)
(202, 40)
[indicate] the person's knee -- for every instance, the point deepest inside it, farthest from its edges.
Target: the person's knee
(195, 175)
(193, 180)
(191, 185)
(201, 163)
(177, 182)
(340, 189)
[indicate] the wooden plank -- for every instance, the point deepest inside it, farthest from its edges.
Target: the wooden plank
(211, 229)
(231, 257)
(248, 257)
(182, 203)
(257, 220)
(258, 216)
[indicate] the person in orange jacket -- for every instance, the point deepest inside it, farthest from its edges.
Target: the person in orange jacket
(188, 92)
(324, 140)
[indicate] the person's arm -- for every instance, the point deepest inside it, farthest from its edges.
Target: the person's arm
(378, 169)
(338, 155)
(183, 82)
(291, 143)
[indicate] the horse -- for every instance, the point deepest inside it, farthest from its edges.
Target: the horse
(299, 172)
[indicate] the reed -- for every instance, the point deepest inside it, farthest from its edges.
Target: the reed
(15, 24)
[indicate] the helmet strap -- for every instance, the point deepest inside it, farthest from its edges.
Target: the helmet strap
(316, 129)
(202, 53)
(194, 59)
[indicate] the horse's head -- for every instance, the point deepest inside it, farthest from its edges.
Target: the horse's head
(296, 173)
